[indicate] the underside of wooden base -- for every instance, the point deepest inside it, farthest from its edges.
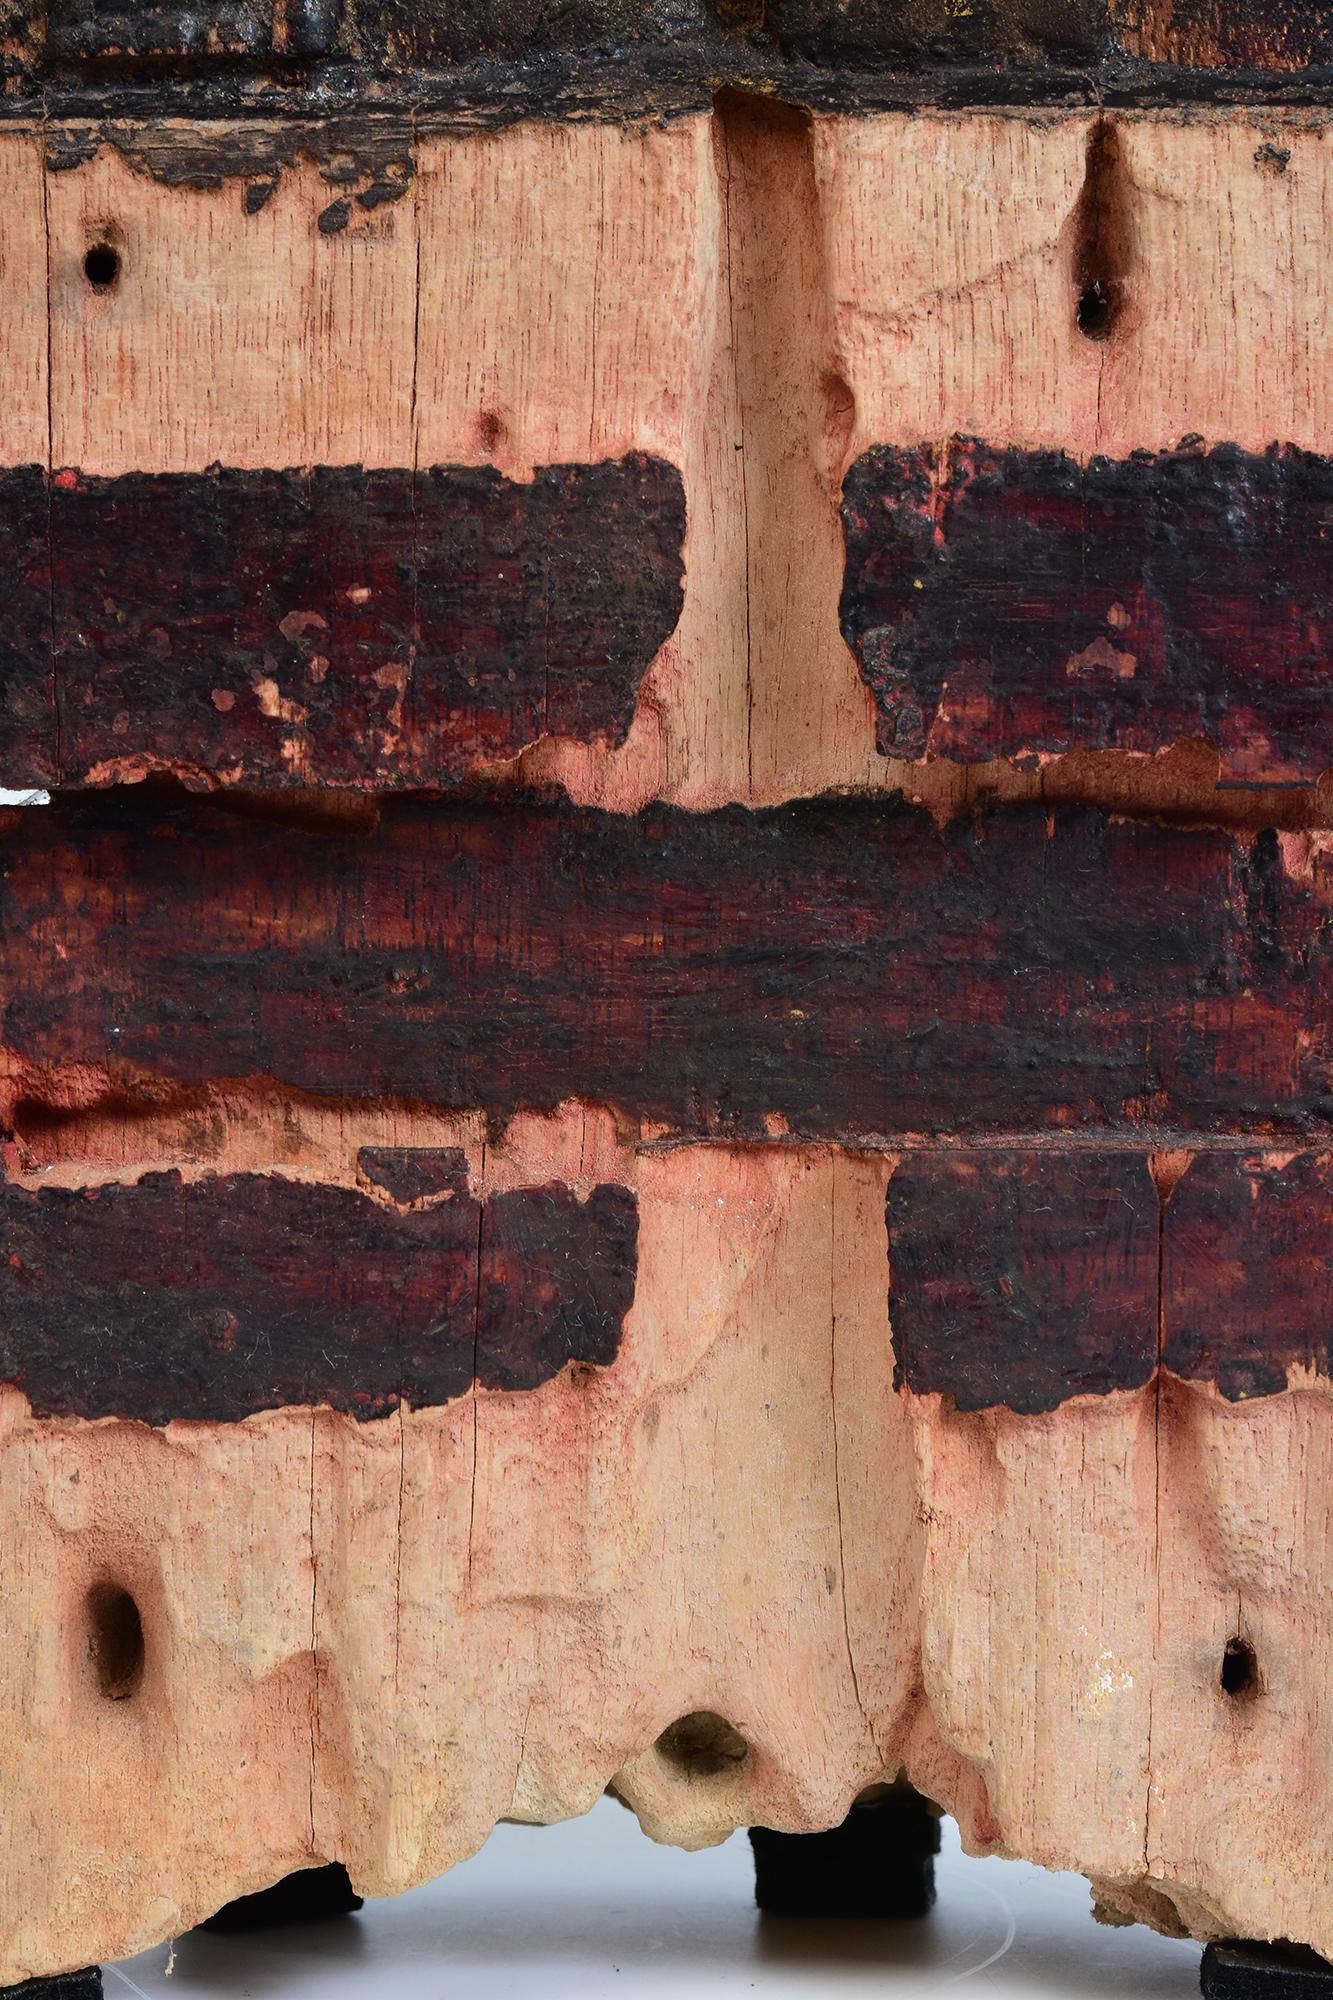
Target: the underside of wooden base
(879, 1863)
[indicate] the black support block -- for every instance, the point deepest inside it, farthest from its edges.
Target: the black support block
(84, 1985)
(310, 1896)
(1243, 1969)
(879, 1863)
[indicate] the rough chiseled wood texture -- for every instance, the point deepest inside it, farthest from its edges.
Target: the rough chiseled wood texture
(1073, 1049)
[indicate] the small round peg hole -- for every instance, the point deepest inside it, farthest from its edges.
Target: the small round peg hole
(101, 266)
(1240, 1669)
(115, 1640)
(1095, 312)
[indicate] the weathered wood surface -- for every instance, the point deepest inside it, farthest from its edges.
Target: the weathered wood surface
(646, 312)
(1003, 603)
(1248, 1258)
(1016, 1278)
(895, 1231)
(1020, 1279)
(383, 629)
(832, 970)
(493, 60)
(409, 1626)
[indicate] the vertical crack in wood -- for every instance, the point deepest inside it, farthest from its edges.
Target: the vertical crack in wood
(837, 1463)
(1165, 1169)
(724, 127)
(476, 1343)
(1156, 1556)
(795, 416)
(57, 745)
(314, 1638)
(398, 1565)
(1103, 235)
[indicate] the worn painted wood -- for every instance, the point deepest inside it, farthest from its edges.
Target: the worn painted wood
(1248, 1256)
(680, 1010)
(835, 969)
(213, 1299)
(336, 627)
(1021, 1279)
(1279, 35)
(493, 59)
(1004, 604)
(516, 339)
(1014, 1278)
(421, 1651)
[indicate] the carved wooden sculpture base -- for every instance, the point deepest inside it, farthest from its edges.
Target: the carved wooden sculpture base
(666, 1067)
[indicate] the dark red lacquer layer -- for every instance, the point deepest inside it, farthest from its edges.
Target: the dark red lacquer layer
(1003, 603)
(1023, 1278)
(215, 1298)
(1249, 1270)
(844, 965)
(328, 626)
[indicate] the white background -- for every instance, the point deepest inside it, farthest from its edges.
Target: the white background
(592, 1908)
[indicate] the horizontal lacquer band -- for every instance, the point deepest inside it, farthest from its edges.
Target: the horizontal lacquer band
(327, 626)
(1003, 603)
(840, 968)
(1011, 1277)
(215, 1298)
(1020, 1278)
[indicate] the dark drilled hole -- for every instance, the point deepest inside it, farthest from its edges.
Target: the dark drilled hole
(1240, 1668)
(1103, 235)
(101, 267)
(115, 1640)
(702, 1745)
(1096, 313)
